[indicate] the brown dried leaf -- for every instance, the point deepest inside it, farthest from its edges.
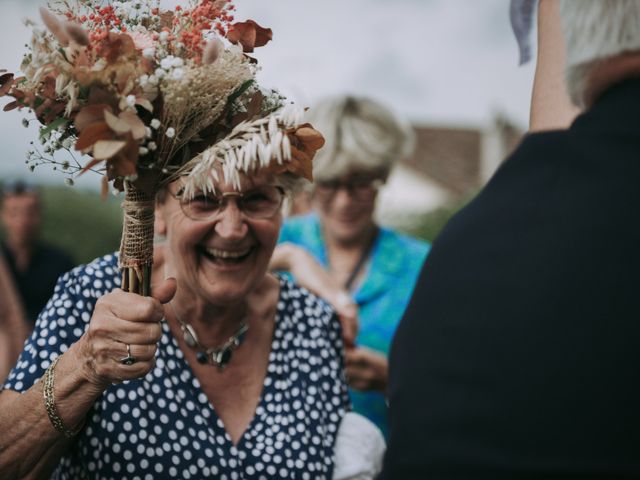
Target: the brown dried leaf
(93, 134)
(106, 149)
(6, 82)
(136, 126)
(249, 34)
(54, 112)
(91, 114)
(43, 107)
(118, 45)
(49, 87)
(117, 124)
(100, 95)
(124, 163)
(12, 106)
(311, 138)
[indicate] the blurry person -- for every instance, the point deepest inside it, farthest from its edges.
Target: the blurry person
(13, 327)
(340, 252)
(518, 355)
(33, 265)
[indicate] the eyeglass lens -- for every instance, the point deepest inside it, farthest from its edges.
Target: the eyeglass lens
(357, 187)
(261, 202)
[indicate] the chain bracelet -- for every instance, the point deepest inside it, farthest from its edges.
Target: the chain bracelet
(50, 403)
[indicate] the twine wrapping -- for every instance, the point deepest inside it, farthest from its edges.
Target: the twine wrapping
(136, 246)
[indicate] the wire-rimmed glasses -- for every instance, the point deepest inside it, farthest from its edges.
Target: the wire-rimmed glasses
(257, 203)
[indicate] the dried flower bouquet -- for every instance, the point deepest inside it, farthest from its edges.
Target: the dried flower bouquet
(152, 94)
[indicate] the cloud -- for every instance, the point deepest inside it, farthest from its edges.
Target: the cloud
(436, 61)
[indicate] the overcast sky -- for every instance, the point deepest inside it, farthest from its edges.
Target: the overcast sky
(450, 62)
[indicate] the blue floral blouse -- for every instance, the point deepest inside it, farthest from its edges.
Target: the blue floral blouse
(163, 426)
(392, 271)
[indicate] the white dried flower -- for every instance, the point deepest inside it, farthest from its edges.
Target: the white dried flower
(155, 124)
(164, 36)
(131, 100)
(160, 73)
(177, 62)
(177, 74)
(152, 146)
(171, 132)
(149, 52)
(143, 151)
(153, 80)
(167, 62)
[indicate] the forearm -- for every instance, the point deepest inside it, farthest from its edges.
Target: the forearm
(550, 104)
(307, 270)
(30, 447)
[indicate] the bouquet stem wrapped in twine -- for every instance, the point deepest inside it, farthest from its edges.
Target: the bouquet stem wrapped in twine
(136, 247)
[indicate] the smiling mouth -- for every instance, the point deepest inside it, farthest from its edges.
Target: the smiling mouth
(226, 257)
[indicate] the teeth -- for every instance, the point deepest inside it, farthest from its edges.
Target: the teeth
(226, 254)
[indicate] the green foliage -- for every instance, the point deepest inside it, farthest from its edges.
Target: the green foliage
(80, 222)
(430, 225)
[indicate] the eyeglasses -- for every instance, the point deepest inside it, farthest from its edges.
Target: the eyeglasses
(258, 203)
(360, 189)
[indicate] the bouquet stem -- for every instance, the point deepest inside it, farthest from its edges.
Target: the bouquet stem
(136, 247)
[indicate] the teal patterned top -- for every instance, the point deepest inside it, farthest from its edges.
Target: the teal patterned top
(392, 272)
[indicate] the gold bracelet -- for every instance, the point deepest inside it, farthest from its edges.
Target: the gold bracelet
(50, 403)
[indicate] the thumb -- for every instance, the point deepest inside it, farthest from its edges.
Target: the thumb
(165, 291)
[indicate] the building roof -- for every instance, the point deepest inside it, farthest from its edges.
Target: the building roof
(453, 156)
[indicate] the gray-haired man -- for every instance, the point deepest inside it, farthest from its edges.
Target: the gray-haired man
(518, 357)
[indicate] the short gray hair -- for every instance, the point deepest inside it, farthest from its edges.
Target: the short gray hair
(595, 30)
(360, 134)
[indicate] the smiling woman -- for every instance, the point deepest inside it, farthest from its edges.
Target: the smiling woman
(245, 360)
(341, 253)
(228, 371)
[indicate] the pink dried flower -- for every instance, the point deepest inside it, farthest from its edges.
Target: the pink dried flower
(142, 40)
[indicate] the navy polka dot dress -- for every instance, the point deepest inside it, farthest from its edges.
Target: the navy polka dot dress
(163, 425)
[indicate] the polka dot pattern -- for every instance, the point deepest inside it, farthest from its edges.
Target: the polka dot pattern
(163, 426)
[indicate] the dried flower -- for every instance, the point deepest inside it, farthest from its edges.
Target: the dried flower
(109, 78)
(249, 34)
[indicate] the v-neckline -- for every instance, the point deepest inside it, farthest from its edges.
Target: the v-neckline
(192, 381)
(366, 267)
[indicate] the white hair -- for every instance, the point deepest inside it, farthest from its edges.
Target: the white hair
(360, 134)
(595, 30)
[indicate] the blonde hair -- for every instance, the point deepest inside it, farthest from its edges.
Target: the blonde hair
(595, 30)
(360, 134)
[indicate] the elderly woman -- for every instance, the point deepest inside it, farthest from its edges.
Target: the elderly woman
(341, 253)
(227, 372)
